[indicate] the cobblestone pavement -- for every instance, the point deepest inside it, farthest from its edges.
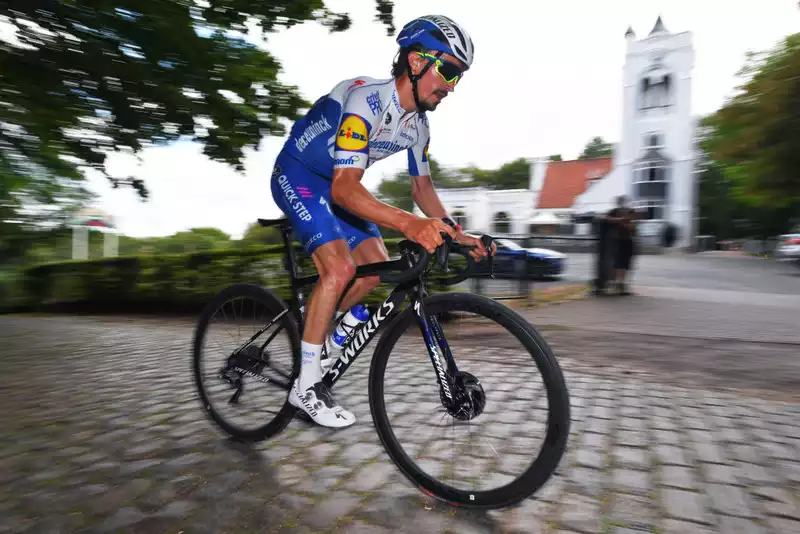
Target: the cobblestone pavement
(101, 432)
(705, 338)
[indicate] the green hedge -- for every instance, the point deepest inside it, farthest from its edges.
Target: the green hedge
(160, 283)
(12, 294)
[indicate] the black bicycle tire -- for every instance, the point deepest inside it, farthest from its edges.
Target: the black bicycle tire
(276, 305)
(558, 427)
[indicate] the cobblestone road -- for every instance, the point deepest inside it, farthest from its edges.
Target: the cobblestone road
(101, 432)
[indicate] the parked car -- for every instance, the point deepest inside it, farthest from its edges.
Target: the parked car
(788, 249)
(511, 258)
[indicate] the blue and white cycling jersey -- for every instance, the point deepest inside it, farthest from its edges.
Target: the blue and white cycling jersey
(358, 123)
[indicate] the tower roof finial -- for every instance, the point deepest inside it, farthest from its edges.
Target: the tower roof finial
(659, 27)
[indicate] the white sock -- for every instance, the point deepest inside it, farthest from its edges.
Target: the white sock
(310, 371)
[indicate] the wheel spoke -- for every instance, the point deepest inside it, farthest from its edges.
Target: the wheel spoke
(248, 403)
(470, 467)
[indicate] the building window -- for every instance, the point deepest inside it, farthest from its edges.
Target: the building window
(650, 210)
(651, 180)
(654, 140)
(502, 223)
(655, 91)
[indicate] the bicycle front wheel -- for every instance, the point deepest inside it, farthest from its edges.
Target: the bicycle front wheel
(469, 330)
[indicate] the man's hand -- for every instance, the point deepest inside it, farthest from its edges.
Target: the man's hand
(427, 232)
(479, 252)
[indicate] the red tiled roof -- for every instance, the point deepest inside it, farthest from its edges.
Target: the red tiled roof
(565, 180)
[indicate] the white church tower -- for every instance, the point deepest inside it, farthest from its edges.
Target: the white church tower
(656, 148)
(654, 160)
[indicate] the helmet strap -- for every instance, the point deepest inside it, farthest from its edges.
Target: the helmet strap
(414, 77)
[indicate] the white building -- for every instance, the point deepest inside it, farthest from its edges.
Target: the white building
(654, 161)
(652, 164)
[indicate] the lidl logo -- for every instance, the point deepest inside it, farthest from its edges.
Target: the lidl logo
(352, 134)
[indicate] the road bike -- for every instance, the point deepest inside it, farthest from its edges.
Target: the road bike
(461, 394)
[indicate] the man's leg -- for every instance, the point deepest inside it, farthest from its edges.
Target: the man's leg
(371, 250)
(305, 199)
(336, 268)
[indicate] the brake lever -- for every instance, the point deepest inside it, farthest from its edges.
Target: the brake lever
(443, 252)
(487, 243)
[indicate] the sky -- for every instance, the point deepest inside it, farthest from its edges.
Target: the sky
(547, 77)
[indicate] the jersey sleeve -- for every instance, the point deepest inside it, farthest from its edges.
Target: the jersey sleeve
(418, 154)
(360, 113)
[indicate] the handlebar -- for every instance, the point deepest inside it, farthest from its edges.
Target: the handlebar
(415, 269)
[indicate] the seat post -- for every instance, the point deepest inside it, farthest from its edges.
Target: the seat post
(291, 266)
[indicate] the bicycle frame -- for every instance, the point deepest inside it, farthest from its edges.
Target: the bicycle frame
(363, 335)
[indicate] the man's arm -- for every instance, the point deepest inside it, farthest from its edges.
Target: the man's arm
(425, 196)
(348, 192)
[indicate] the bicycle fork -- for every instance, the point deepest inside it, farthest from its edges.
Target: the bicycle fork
(437, 349)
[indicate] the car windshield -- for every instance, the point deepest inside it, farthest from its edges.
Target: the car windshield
(505, 243)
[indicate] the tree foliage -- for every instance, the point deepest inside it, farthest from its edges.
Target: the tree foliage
(83, 78)
(512, 175)
(597, 148)
(755, 137)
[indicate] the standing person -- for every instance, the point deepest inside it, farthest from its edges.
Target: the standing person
(623, 236)
(317, 183)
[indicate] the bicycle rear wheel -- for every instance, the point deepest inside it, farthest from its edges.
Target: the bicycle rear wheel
(513, 407)
(248, 361)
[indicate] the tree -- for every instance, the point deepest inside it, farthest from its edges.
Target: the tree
(556, 157)
(82, 79)
(34, 209)
(597, 148)
(255, 234)
(754, 136)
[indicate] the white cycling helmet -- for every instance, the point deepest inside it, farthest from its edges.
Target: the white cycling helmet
(437, 32)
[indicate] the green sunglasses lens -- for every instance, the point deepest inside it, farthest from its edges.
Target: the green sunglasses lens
(449, 71)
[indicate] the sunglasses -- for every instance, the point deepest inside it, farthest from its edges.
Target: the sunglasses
(449, 72)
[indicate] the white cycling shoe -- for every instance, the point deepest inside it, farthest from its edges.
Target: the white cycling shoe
(320, 406)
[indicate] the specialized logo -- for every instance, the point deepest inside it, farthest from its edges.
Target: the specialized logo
(437, 361)
(276, 170)
(291, 199)
(366, 331)
(352, 160)
(352, 134)
(311, 132)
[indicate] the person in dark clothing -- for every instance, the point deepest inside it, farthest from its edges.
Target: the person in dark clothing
(623, 235)
(602, 228)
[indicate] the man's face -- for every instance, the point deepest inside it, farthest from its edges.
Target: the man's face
(432, 88)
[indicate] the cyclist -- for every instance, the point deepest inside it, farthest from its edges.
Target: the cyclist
(316, 182)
